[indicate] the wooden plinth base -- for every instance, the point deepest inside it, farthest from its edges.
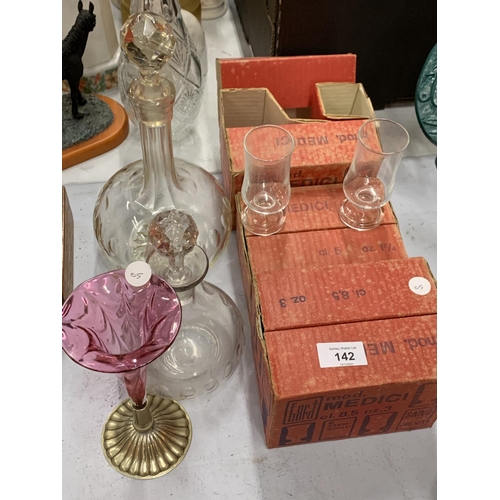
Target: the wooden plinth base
(106, 140)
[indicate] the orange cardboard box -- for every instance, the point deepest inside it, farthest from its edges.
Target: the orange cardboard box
(320, 249)
(322, 155)
(303, 402)
(306, 399)
(344, 293)
(290, 79)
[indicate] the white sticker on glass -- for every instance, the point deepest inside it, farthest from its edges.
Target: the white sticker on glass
(138, 273)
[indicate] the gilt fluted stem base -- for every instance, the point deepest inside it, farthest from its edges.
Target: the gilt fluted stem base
(150, 453)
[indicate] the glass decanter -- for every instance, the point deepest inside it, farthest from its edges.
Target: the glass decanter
(198, 38)
(185, 68)
(135, 194)
(113, 323)
(208, 347)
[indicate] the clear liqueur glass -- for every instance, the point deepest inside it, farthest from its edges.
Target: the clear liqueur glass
(209, 344)
(185, 68)
(370, 180)
(135, 194)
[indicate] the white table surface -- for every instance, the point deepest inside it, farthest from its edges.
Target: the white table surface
(228, 458)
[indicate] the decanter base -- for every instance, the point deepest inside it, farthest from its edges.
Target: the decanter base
(149, 451)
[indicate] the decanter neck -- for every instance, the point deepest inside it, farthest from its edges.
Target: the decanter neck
(153, 100)
(186, 296)
(159, 166)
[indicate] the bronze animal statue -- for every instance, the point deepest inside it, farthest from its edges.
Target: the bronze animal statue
(73, 47)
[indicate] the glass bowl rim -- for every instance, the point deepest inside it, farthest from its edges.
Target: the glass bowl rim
(127, 363)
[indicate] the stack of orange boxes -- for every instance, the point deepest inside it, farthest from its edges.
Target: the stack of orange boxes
(317, 291)
(343, 323)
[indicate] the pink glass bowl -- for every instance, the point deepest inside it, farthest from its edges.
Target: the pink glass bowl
(111, 326)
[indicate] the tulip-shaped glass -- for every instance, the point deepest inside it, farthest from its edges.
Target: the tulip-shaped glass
(111, 326)
(369, 182)
(266, 183)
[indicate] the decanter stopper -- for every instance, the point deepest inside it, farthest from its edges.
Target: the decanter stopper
(173, 234)
(149, 42)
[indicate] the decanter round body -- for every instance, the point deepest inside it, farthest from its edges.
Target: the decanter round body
(207, 349)
(185, 68)
(209, 344)
(136, 193)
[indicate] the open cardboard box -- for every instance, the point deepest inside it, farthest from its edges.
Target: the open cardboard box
(323, 148)
(281, 91)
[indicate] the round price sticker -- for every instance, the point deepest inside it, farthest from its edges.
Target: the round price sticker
(419, 285)
(138, 273)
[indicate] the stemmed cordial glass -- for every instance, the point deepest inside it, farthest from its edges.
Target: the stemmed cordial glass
(119, 322)
(208, 347)
(136, 193)
(266, 188)
(369, 182)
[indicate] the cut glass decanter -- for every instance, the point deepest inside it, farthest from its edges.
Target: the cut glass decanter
(208, 346)
(135, 194)
(185, 68)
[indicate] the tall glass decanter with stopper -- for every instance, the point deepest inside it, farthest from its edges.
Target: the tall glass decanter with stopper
(185, 68)
(135, 194)
(208, 347)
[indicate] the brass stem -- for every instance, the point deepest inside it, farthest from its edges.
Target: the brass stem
(143, 419)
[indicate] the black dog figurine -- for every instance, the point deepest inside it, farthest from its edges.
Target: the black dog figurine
(73, 47)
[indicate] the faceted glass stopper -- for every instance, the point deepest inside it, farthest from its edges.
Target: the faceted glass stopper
(173, 232)
(148, 41)
(172, 250)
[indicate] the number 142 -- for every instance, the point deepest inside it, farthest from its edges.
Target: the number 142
(345, 356)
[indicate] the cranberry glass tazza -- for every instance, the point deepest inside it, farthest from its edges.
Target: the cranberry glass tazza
(111, 326)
